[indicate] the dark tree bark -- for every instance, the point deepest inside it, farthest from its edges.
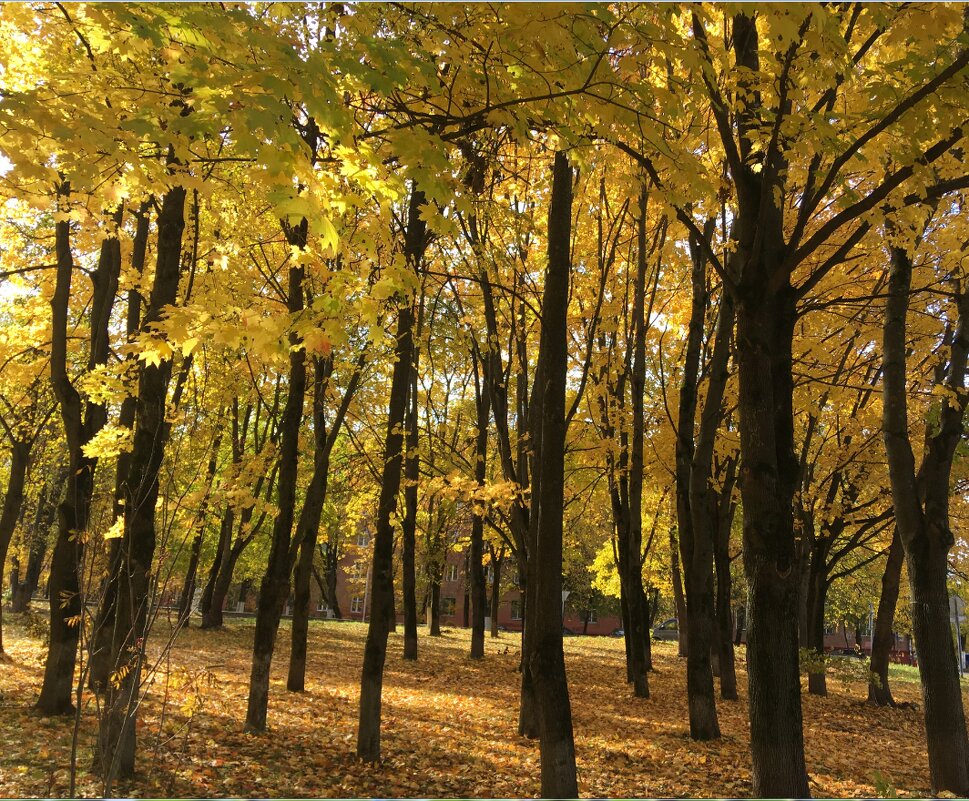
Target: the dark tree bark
(116, 737)
(546, 661)
(434, 606)
(922, 519)
(497, 560)
(721, 558)
(309, 519)
(408, 526)
(883, 638)
(679, 598)
(476, 574)
(696, 502)
(100, 647)
(13, 500)
(382, 589)
(306, 532)
(45, 516)
(703, 639)
(275, 586)
(81, 422)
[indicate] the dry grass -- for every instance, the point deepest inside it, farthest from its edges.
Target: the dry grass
(448, 728)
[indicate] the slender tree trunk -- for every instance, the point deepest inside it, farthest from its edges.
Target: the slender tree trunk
(382, 590)
(496, 563)
(309, 520)
(816, 600)
(883, 638)
(408, 527)
(679, 599)
(13, 501)
(434, 612)
(724, 620)
(546, 660)
(275, 586)
(221, 554)
(476, 575)
(116, 736)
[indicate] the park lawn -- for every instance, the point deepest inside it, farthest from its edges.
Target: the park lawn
(449, 725)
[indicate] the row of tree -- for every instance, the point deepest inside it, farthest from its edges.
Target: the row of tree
(624, 287)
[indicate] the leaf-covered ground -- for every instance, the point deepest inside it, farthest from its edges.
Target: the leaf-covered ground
(449, 726)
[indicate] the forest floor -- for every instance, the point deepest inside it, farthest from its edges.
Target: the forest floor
(449, 725)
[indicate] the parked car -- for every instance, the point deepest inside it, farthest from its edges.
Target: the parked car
(567, 632)
(619, 633)
(667, 630)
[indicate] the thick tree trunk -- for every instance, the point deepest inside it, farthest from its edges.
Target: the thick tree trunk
(74, 511)
(116, 736)
(883, 638)
(275, 586)
(382, 591)
(922, 519)
(13, 501)
(546, 661)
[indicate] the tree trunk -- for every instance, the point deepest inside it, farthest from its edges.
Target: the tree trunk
(496, 563)
(309, 519)
(116, 736)
(679, 601)
(816, 600)
(721, 560)
(704, 524)
(883, 638)
(99, 664)
(476, 575)
(434, 610)
(13, 501)
(275, 587)
(922, 519)
(382, 590)
(546, 660)
(64, 589)
(408, 526)
(224, 547)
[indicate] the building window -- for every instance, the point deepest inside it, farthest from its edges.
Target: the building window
(323, 606)
(593, 616)
(451, 573)
(363, 539)
(356, 604)
(448, 607)
(359, 571)
(516, 610)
